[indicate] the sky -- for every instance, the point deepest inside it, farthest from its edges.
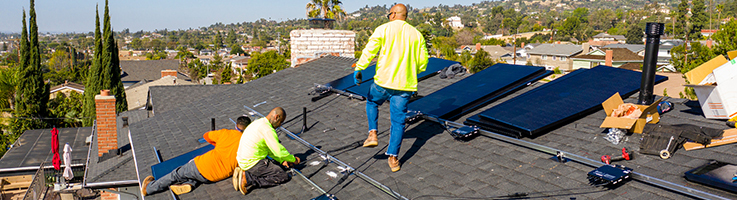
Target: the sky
(56, 16)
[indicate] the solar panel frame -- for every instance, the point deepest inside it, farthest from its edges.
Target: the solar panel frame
(347, 81)
(570, 97)
(477, 89)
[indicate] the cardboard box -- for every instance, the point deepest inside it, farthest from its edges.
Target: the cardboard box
(649, 115)
(732, 54)
(729, 136)
(718, 101)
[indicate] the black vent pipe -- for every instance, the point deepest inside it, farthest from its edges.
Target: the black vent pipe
(653, 32)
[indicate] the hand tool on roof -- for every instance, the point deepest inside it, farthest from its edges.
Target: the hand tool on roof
(626, 155)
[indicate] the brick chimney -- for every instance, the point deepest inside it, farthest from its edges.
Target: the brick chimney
(168, 72)
(478, 46)
(609, 56)
(709, 43)
(107, 134)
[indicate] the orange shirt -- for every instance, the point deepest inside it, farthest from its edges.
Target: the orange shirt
(219, 163)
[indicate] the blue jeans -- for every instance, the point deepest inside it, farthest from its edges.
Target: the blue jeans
(185, 174)
(398, 108)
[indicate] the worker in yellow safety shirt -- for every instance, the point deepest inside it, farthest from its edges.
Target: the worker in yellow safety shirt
(258, 141)
(402, 55)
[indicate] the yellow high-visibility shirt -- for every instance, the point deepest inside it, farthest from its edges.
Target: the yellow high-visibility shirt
(258, 141)
(402, 55)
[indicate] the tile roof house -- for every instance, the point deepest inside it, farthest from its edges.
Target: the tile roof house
(433, 162)
(555, 55)
(620, 56)
(66, 88)
(148, 70)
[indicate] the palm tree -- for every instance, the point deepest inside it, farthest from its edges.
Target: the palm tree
(330, 9)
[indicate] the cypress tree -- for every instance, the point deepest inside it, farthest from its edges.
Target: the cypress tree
(92, 85)
(111, 65)
(31, 90)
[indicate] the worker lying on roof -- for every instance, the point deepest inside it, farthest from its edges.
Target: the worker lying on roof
(213, 166)
(258, 141)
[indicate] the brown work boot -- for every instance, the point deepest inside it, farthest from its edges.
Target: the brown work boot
(243, 183)
(394, 163)
(146, 181)
(236, 176)
(372, 139)
(179, 189)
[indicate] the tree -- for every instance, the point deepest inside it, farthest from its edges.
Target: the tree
(681, 21)
(226, 74)
(31, 92)
(330, 9)
(699, 19)
(93, 85)
(217, 41)
(634, 34)
(262, 64)
(111, 65)
(67, 111)
(231, 38)
(237, 50)
(726, 38)
(8, 82)
(480, 61)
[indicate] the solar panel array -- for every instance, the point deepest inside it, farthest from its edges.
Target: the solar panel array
(565, 99)
(478, 89)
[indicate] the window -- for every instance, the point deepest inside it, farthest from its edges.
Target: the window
(553, 58)
(544, 57)
(562, 58)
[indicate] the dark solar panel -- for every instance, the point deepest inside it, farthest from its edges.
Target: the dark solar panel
(567, 98)
(434, 65)
(477, 89)
(163, 168)
(347, 81)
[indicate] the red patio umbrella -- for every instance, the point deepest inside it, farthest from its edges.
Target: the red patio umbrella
(55, 148)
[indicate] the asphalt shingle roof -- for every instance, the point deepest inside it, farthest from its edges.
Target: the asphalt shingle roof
(135, 71)
(618, 55)
(556, 49)
(117, 167)
(433, 163)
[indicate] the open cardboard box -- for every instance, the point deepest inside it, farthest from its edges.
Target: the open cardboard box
(649, 115)
(718, 101)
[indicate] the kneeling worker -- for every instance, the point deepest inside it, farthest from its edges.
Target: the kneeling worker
(213, 166)
(258, 141)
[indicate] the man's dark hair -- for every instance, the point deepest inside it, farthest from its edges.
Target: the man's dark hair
(243, 121)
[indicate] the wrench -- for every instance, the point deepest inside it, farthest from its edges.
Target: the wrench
(665, 154)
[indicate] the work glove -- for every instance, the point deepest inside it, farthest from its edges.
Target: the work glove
(357, 77)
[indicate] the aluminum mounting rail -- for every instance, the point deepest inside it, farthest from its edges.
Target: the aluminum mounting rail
(580, 159)
(328, 158)
(322, 89)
